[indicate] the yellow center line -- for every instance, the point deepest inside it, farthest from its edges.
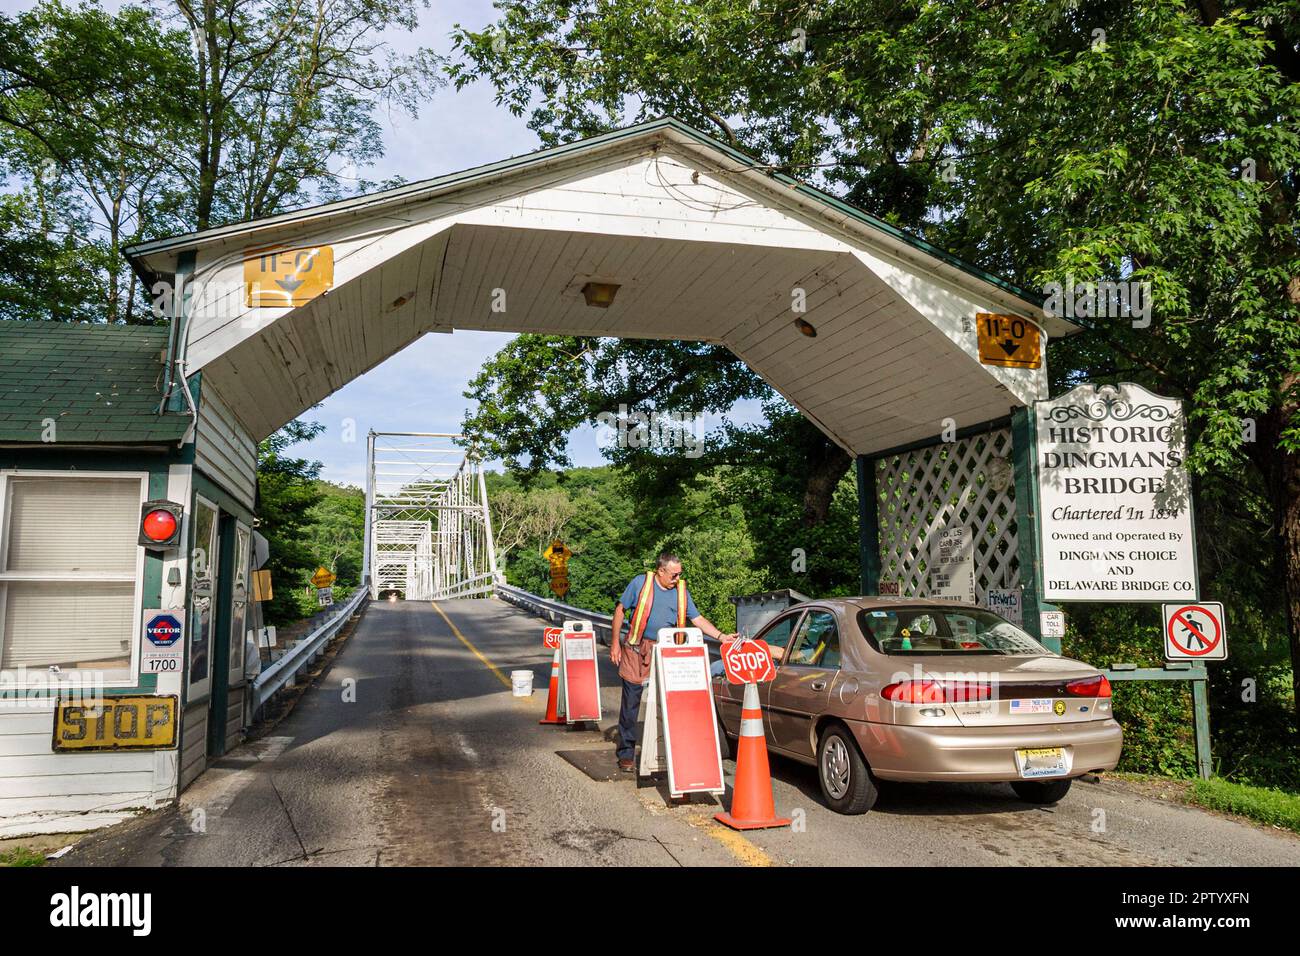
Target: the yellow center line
(473, 650)
(746, 852)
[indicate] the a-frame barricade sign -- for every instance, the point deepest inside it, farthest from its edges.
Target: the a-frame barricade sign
(681, 726)
(579, 676)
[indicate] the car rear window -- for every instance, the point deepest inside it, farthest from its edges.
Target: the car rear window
(936, 629)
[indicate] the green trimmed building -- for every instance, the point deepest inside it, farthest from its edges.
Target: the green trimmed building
(88, 434)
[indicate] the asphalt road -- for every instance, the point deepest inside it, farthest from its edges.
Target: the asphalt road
(432, 761)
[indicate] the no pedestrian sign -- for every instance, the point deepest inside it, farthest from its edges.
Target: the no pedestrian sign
(1195, 632)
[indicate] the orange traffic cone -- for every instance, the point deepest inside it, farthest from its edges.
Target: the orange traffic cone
(552, 715)
(751, 797)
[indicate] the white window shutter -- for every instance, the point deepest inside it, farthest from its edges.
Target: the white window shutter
(73, 524)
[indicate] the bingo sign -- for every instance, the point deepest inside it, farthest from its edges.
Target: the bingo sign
(1195, 632)
(164, 642)
(748, 662)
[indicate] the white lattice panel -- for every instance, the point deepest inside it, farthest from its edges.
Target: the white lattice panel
(921, 491)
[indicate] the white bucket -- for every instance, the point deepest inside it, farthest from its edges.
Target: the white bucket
(521, 683)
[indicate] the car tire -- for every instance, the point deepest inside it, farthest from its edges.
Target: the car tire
(846, 782)
(1041, 791)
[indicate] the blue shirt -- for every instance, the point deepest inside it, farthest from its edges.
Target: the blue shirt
(663, 609)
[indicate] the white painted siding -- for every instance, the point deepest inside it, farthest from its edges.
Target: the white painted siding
(36, 780)
(700, 253)
(223, 448)
(234, 717)
(194, 742)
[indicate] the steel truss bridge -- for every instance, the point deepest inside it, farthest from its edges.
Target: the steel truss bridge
(428, 528)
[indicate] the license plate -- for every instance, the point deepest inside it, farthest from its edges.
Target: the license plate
(1035, 705)
(1043, 762)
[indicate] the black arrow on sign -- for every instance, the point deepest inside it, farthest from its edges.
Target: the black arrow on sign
(1011, 348)
(290, 284)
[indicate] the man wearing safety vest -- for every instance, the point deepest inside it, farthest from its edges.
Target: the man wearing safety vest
(657, 600)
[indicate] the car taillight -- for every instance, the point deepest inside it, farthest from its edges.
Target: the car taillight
(935, 692)
(959, 691)
(914, 692)
(1097, 686)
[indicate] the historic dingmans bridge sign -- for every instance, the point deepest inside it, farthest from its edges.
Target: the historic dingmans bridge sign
(1115, 506)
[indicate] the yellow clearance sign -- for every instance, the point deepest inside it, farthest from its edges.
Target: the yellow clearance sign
(144, 722)
(1009, 341)
(287, 277)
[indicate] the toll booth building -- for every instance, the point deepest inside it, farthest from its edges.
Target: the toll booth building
(657, 231)
(83, 447)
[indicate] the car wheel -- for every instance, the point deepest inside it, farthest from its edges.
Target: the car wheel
(1041, 791)
(845, 778)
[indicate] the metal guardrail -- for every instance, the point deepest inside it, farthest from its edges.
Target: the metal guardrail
(557, 611)
(481, 585)
(287, 667)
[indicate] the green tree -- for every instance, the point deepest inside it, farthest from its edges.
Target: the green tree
(284, 94)
(287, 493)
(152, 120)
(336, 531)
(94, 169)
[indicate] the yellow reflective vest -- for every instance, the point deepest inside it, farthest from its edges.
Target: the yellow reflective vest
(641, 614)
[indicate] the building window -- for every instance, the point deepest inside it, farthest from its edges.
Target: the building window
(70, 568)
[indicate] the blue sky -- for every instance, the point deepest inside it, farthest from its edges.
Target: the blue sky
(420, 388)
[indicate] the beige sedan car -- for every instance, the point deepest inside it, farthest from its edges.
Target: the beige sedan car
(871, 688)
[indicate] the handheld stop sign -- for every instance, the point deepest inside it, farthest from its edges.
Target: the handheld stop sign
(748, 662)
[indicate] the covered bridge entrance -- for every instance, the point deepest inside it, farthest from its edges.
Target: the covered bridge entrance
(656, 231)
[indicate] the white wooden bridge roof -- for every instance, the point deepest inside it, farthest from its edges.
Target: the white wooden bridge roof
(704, 245)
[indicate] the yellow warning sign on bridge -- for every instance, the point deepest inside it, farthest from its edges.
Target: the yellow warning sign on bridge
(1009, 341)
(323, 578)
(281, 278)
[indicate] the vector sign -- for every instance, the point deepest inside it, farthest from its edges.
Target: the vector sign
(748, 662)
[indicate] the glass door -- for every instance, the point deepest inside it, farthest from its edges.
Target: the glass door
(239, 604)
(203, 597)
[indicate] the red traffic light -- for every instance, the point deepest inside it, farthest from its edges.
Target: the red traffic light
(160, 524)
